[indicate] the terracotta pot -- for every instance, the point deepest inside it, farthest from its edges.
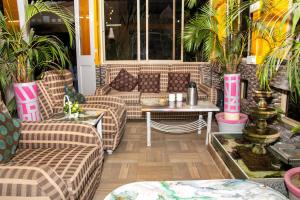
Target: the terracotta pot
(232, 96)
(294, 191)
(27, 101)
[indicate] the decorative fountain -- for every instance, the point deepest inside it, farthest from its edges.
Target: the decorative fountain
(261, 134)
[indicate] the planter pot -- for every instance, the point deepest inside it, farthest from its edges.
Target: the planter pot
(27, 101)
(231, 125)
(294, 191)
(232, 96)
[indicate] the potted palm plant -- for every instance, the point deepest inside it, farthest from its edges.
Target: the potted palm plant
(22, 52)
(286, 54)
(223, 44)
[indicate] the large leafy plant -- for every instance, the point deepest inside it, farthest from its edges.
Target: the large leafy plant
(222, 41)
(288, 52)
(22, 51)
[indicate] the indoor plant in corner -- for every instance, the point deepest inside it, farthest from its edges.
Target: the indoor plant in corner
(287, 54)
(223, 44)
(22, 52)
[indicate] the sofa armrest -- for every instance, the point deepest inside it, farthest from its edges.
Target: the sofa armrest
(58, 134)
(103, 90)
(105, 100)
(39, 181)
(210, 91)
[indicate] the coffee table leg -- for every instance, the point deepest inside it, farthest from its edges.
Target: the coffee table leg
(208, 128)
(148, 129)
(199, 129)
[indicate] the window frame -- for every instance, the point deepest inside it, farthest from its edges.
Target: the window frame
(138, 60)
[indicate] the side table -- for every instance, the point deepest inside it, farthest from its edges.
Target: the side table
(93, 118)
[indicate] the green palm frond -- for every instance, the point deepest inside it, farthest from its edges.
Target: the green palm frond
(39, 7)
(287, 52)
(191, 3)
(203, 30)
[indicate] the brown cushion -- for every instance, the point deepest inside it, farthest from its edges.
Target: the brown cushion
(124, 81)
(149, 82)
(178, 81)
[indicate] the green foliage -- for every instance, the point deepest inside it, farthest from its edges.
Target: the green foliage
(296, 130)
(288, 53)
(22, 51)
(224, 50)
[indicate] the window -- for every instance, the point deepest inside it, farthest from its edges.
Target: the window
(120, 29)
(130, 35)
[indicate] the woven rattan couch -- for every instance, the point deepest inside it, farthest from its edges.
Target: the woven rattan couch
(198, 73)
(55, 161)
(51, 93)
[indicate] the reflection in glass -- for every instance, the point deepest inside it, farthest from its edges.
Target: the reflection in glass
(143, 28)
(164, 29)
(121, 29)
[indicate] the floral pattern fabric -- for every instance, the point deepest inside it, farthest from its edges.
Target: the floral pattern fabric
(195, 190)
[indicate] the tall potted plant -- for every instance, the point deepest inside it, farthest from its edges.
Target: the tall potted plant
(21, 54)
(287, 54)
(223, 44)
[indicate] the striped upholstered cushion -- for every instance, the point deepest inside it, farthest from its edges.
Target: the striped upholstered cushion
(45, 101)
(58, 134)
(38, 181)
(55, 82)
(73, 165)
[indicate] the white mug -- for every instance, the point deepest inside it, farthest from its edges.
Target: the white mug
(179, 96)
(171, 97)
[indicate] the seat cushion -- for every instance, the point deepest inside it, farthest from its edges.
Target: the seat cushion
(128, 97)
(149, 98)
(74, 165)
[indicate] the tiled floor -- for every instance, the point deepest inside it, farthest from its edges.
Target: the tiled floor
(171, 157)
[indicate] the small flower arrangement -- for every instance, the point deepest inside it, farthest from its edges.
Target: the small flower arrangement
(72, 109)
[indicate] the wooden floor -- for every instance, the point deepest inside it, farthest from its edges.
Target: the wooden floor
(171, 157)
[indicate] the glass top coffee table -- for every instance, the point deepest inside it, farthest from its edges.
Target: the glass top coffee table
(93, 118)
(203, 106)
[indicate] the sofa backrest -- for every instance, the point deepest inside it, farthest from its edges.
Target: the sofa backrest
(55, 81)
(196, 71)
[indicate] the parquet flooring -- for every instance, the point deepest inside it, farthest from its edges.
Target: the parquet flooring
(171, 157)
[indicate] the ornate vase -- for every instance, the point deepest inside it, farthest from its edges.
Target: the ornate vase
(26, 95)
(232, 96)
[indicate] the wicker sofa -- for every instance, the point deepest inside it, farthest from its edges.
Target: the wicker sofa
(134, 99)
(51, 93)
(54, 160)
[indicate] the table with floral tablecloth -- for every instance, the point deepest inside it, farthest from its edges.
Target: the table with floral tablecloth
(195, 190)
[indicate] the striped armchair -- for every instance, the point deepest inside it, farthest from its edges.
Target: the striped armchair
(51, 93)
(54, 160)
